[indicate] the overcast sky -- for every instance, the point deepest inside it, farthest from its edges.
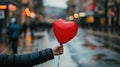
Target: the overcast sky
(56, 3)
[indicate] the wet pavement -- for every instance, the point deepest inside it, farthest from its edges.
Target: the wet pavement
(78, 55)
(82, 51)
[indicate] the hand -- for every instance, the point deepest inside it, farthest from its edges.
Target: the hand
(58, 50)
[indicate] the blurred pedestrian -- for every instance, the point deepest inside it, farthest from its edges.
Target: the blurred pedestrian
(31, 59)
(24, 28)
(14, 30)
(32, 30)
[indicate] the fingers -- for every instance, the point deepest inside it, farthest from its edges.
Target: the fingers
(61, 50)
(58, 50)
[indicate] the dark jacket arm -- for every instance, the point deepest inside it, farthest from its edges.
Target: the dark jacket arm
(27, 59)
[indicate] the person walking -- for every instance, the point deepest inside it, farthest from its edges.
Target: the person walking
(14, 31)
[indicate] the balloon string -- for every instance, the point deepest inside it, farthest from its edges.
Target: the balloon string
(58, 61)
(59, 58)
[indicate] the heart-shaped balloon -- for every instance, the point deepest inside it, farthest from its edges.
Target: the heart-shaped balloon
(64, 30)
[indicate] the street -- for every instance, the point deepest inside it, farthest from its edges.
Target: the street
(78, 55)
(28, 26)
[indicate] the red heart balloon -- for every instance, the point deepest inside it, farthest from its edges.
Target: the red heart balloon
(64, 30)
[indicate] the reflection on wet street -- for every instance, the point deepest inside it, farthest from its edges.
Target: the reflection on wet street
(83, 52)
(26, 26)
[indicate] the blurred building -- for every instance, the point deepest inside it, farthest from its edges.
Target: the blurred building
(8, 9)
(87, 5)
(38, 6)
(15, 2)
(80, 5)
(71, 7)
(3, 17)
(76, 6)
(111, 10)
(14, 10)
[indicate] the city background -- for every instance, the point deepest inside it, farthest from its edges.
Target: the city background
(95, 45)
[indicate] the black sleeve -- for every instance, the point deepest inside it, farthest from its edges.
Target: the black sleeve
(27, 59)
